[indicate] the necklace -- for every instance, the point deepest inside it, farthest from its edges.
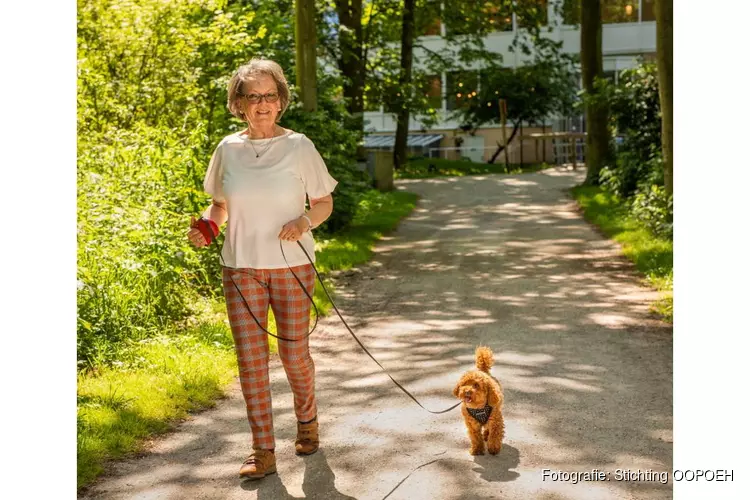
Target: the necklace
(257, 154)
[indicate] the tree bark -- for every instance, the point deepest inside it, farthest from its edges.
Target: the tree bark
(597, 135)
(306, 62)
(351, 62)
(664, 63)
(501, 147)
(407, 44)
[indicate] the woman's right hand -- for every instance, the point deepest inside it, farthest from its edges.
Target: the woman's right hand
(195, 236)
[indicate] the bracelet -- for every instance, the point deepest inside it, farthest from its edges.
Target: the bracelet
(309, 222)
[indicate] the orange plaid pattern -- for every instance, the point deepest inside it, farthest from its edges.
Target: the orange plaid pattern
(291, 308)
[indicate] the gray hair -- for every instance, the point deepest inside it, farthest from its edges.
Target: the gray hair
(247, 72)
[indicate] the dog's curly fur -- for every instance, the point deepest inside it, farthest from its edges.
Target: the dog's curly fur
(475, 389)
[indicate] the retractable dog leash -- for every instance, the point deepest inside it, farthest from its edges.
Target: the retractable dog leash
(206, 225)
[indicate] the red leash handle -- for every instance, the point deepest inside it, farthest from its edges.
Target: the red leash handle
(208, 229)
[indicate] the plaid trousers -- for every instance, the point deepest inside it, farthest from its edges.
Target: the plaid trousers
(291, 309)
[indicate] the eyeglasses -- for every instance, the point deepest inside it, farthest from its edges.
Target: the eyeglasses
(256, 98)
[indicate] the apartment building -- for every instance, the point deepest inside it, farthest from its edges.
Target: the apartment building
(628, 33)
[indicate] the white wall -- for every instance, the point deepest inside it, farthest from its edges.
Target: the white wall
(621, 44)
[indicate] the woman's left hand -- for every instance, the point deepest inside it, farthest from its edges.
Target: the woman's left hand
(292, 231)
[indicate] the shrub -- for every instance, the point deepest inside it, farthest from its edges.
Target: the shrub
(137, 273)
(638, 173)
(635, 111)
(631, 172)
(654, 208)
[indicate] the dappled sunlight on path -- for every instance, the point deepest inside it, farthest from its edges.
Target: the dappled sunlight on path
(504, 261)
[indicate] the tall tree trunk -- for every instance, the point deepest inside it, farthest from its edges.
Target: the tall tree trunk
(597, 136)
(305, 45)
(407, 45)
(664, 63)
(352, 63)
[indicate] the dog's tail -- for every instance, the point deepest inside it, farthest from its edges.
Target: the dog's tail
(484, 358)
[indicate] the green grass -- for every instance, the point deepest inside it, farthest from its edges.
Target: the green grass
(651, 255)
(160, 381)
(378, 214)
(164, 379)
(421, 169)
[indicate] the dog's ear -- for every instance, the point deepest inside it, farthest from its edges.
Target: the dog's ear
(493, 398)
(455, 389)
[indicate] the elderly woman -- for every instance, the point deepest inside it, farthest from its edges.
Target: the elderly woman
(258, 180)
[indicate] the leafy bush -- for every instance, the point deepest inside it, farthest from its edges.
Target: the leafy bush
(152, 79)
(631, 172)
(654, 208)
(638, 174)
(137, 274)
(635, 119)
(635, 110)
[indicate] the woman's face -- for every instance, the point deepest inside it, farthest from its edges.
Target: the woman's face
(261, 113)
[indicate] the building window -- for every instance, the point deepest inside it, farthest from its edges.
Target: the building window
(537, 14)
(461, 87)
(619, 11)
(647, 10)
(493, 15)
(433, 91)
(427, 19)
(613, 11)
(430, 28)
(571, 12)
(499, 17)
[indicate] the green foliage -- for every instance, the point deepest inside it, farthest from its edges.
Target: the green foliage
(532, 93)
(167, 63)
(119, 406)
(631, 172)
(152, 79)
(638, 173)
(137, 273)
(466, 26)
(634, 109)
(654, 208)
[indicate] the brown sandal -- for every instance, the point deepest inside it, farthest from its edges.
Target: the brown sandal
(307, 438)
(258, 465)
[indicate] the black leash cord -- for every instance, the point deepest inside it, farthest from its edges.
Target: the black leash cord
(316, 321)
(301, 285)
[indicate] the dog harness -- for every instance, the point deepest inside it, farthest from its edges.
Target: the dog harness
(481, 415)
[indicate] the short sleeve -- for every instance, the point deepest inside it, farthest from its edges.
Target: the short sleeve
(213, 182)
(318, 182)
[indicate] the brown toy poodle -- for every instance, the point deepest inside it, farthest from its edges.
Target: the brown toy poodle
(482, 397)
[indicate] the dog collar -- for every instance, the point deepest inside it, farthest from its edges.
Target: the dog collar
(480, 414)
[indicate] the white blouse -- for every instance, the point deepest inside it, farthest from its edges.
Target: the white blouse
(263, 194)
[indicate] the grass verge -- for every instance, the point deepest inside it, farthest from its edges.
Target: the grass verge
(651, 255)
(423, 168)
(165, 378)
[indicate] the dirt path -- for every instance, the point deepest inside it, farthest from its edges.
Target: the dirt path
(504, 261)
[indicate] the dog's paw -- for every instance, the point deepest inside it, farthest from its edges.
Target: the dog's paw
(494, 450)
(477, 451)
